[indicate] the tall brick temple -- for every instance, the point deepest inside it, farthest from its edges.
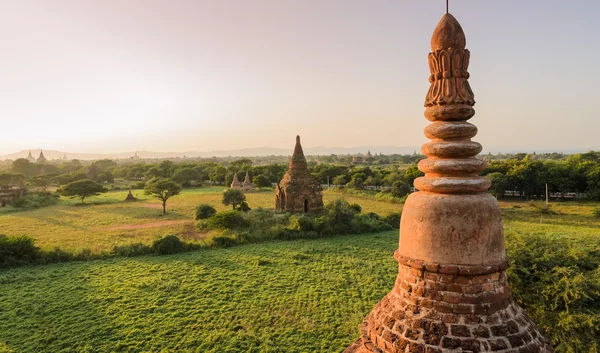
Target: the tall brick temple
(451, 293)
(298, 191)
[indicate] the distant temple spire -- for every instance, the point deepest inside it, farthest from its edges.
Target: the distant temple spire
(30, 157)
(235, 184)
(41, 158)
(247, 186)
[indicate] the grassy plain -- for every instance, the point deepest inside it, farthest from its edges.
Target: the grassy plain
(295, 296)
(105, 220)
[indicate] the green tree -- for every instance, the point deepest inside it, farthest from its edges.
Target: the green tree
(262, 181)
(400, 189)
(167, 167)
(154, 172)
(356, 183)
(106, 177)
(186, 176)
(218, 174)
(340, 180)
(104, 164)
(499, 184)
(162, 189)
(43, 181)
(412, 173)
(23, 166)
(234, 197)
(82, 189)
(204, 211)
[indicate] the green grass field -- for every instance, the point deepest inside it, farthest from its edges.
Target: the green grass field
(105, 220)
(296, 296)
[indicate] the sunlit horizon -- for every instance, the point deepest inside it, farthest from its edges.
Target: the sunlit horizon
(110, 77)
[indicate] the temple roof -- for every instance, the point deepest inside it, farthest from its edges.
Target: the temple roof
(41, 158)
(298, 161)
(235, 179)
(448, 34)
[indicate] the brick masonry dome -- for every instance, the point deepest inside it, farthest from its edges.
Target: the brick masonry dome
(451, 293)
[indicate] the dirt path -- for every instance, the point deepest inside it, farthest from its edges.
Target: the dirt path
(151, 225)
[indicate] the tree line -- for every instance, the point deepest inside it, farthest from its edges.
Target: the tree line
(525, 175)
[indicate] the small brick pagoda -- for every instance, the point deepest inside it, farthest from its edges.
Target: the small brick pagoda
(235, 184)
(451, 293)
(247, 186)
(298, 191)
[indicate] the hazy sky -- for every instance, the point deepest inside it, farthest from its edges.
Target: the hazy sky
(176, 75)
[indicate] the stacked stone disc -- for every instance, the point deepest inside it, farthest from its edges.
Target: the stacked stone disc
(451, 293)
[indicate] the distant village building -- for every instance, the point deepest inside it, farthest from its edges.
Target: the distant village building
(235, 184)
(358, 159)
(247, 186)
(41, 158)
(362, 158)
(13, 191)
(298, 191)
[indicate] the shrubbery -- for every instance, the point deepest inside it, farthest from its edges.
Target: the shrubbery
(204, 211)
(338, 217)
(18, 251)
(226, 220)
(557, 280)
(36, 200)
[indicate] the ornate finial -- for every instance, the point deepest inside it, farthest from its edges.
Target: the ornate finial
(451, 285)
(451, 167)
(448, 34)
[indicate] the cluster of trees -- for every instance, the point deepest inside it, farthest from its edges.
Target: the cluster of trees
(524, 174)
(527, 176)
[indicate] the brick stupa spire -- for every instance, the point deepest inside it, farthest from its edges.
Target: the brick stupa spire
(298, 191)
(235, 184)
(451, 293)
(247, 186)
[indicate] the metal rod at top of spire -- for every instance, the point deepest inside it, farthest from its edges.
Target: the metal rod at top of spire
(447, 6)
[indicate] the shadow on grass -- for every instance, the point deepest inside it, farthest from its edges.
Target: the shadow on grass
(41, 314)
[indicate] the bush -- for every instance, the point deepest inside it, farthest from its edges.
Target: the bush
(223, 242)
(303, 223)
(205, 211)
(168, 245)
(597, 213)
(226, 220)
(130, 250)
(400, 189)
(558, 280)
(17, 251)
(36, 200)
(366, 224)
(356, 208)
(393, 219)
